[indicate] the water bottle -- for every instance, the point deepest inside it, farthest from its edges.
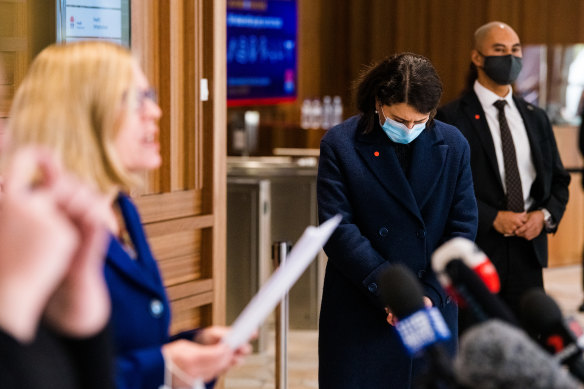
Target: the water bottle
(327, 113)
(316, 114)
(305, 114)
(337, 111)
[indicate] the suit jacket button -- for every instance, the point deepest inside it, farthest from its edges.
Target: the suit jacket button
(156, 308)
(421, 234)
(421, 273)
(383, 231)
(372, 287)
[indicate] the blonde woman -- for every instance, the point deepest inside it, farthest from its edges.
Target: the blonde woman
(92, 105)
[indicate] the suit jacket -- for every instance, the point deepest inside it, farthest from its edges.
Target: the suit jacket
(387, 219)
(140, 316)
(550, 189)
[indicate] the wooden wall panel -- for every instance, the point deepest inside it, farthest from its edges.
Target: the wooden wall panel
(215, 140)
(13, 49)
(182, 204)
(357, 33)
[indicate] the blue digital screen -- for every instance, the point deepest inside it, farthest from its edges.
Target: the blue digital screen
(261, 51)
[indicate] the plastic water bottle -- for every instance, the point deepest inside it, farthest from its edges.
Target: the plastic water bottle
(327, 112)
(316, 115)
(337, 111)
(305, 114)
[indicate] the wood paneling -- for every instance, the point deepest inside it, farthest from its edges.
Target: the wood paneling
(355, 34)
(13, 49)
(182, 204)
(565, 246)
(215, 125)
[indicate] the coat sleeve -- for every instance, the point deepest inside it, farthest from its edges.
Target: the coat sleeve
(560, 181)
(348, 249)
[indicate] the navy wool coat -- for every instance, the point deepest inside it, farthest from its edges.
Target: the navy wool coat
(388, 218)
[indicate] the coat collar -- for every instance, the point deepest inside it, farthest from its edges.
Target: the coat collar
(142, 271)
(473, 109)
(379, 155)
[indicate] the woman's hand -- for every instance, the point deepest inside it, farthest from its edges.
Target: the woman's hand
(392, 319)
(189, 361)
(40, 234)
(214, 334)
(80, 306)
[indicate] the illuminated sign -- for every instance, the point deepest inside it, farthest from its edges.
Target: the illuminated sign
(261, 51)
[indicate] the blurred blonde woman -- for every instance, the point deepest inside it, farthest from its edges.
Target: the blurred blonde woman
(92, 105)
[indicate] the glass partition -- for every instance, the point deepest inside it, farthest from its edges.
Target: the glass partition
(553, 78)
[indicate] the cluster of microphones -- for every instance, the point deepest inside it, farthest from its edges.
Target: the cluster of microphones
(539, 349)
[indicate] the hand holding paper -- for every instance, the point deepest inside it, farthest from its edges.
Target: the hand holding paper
(279, 284)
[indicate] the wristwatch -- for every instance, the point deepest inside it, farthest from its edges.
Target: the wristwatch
(547, 219)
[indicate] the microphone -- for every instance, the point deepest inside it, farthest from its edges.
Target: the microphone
(467, 251)
(543, 320)
(420, 329)
(494, 354)
(465, 285)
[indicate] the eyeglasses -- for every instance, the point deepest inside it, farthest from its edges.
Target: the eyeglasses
(142, 96)
(147, 94)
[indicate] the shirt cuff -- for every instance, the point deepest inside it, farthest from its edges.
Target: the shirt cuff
(548, 220)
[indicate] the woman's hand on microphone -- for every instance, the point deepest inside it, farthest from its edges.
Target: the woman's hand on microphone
(392, 319)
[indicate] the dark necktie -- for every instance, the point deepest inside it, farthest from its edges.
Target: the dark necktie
(512, 179)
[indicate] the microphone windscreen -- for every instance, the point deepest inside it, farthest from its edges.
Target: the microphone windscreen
(494, 354)
(400, 290)
(463, 278)
(539, 312)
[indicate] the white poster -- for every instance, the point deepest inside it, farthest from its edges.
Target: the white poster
(93, 23)
(96, 3)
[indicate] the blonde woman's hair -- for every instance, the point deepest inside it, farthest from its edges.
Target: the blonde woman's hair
(72, 101)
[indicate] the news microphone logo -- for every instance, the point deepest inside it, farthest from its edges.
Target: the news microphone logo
(421, 329)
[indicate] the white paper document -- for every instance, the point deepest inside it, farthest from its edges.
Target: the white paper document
(270, 294)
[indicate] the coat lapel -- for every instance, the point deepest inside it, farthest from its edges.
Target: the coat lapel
(379, 156)
(143, 270)
(474, 111)
(131, 269)
(425, 172)
(526, 111)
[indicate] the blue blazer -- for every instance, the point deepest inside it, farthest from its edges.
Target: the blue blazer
(388, 218)
(140, 317)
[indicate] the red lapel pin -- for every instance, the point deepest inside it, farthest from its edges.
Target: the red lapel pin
(376, 153)
(477, 116)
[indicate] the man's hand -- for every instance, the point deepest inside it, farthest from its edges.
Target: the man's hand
(507, 222)
(533, 226)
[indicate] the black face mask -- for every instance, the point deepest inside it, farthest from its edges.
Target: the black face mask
(503, 69)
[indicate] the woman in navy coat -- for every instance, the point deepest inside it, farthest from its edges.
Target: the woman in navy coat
(403, 184)
(102, 123)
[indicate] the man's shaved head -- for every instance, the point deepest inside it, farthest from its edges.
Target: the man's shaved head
(484, 31)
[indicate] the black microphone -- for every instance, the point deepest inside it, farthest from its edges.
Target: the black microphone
(421, 329)
(495, 354)
(543, 320)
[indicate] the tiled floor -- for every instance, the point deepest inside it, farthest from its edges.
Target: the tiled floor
(563, 284)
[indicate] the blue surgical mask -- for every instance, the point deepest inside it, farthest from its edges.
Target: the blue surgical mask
(399, 132)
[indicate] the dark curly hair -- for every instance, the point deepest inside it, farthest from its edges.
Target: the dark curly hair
(402, 78)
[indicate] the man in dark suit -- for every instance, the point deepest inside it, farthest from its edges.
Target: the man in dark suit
(520, 183)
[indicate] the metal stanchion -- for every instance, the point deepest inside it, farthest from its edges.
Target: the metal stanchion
(279, 252)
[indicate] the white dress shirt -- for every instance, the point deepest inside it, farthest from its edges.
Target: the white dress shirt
(518, 132)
